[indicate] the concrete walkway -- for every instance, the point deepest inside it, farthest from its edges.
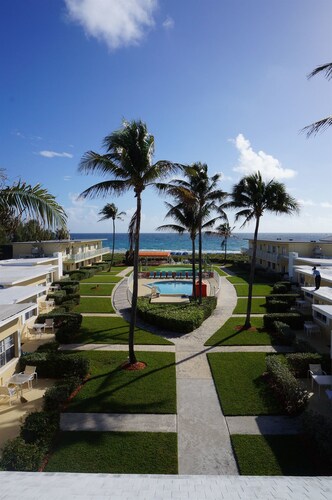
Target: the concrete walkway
(117, 422)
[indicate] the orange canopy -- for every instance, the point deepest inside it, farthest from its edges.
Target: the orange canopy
(154, 254)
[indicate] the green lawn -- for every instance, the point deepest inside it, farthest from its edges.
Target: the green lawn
(273, 456)
(237, 280)
(91, 289)
(94, 305)
(111, 389)
(240, 386)
(102, 278)
(219, 271)
(257, 290)
(258, 306)
(113, 330)
(231, 334)
(115, 453)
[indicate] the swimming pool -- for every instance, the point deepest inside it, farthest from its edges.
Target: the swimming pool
(173, 287)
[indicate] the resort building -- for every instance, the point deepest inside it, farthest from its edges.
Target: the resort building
(280, 255)
(74, 253)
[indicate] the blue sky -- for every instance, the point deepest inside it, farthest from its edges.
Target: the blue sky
(222, 82)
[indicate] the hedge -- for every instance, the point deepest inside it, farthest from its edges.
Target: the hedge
(17, 455)
(56, 365)
(294, 320)
(56, 397)
(318, 428)
(40, 428)
(282, 333)
(181, 318)
(299, 362)
(277, 306)
(293, 398)
(62, 319)
(290, 298)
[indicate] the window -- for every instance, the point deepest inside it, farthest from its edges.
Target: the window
(29, 314)
(7, 350)
(320, 317)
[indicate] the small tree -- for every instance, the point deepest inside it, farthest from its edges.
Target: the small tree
(110, 211)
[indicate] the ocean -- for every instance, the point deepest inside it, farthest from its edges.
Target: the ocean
(181, 243)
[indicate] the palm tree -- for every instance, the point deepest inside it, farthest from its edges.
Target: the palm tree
(324, 123)
(223, 231)
(187, 218)
(22, 199)
(110, 211)
(200, 191)
(253, 196)
(128, 161)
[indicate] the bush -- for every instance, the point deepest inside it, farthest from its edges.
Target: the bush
(299, 362)
(55, 364)
(294, 320)
(282, 333)
(68, 327)
(40, 427)
(181, 318)
(318, 428)
(55, 397)
(290, 298)
(277, 306)
(20, 456)
(293, 398)
(48, 347)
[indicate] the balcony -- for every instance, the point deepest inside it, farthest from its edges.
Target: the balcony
(267, 256)
(78, 257)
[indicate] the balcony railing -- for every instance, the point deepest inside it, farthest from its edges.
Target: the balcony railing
(76, 257)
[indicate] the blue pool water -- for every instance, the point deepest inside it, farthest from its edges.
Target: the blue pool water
(173, 287)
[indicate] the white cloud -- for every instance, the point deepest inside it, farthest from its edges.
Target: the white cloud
(54, 154)
(306, 203)
(117, 23)
(67, 178)
(250, 162)
(326, 204)
(168, 24)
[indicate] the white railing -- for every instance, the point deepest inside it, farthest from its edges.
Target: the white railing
(75, 257)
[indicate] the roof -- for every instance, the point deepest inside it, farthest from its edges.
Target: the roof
(43, 242)
(11, 275)
(28, 261)
(324, 309)
(9, 312)
(145, 253)
(15, 294)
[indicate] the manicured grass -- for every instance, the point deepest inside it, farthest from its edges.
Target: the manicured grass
(258, 306)
(273, 456)
(240, 386)
(257, 290)
(231, 334)
(91, 289)
(115, 453)
(113, 331)
(94, 305)
(237, 280)
(219, 271)
(110, 389)
(102, 278)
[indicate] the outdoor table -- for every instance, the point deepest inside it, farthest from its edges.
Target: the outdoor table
(38, 327)
(321, 380)
(19, 379)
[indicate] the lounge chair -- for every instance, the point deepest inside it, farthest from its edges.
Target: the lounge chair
(315, 369)
(152, 274)
(8, 392)
(163, 274)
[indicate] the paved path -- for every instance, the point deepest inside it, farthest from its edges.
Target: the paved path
(117, 422)
(266, 425)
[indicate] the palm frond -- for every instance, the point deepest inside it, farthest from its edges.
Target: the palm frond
(323, 68)
(317, 127)
(115, 187)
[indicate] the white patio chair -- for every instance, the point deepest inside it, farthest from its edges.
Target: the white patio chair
(49, 324)
(315, 369)
(8, 393)
(31, 371)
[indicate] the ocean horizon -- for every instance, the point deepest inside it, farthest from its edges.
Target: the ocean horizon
(174, 242)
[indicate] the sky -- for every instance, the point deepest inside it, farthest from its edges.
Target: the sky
(223, 82)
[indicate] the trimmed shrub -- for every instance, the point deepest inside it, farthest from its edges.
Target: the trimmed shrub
(318, 428)
(294, 320)
(300, 345)
(20, 456)
(299, 362)
(55, 397)
(55, 364)
(48, 347)
(40, 428)
(282, 333)
(68, 327)
(293, 398)
(279, 288)
(277, 306)
(290, 298)
(181, 318)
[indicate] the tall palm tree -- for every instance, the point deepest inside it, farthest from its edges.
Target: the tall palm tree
(22, 199)
(224, 231)
(200, 191)
(110, 211)
(187, 218)
(128, 161)
(324, 123)
(253, 197)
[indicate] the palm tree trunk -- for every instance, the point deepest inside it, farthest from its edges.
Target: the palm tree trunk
(252, 275)
(132, 357)
(225, 257)
(113, 246)
(193, 262)
(200, 265)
